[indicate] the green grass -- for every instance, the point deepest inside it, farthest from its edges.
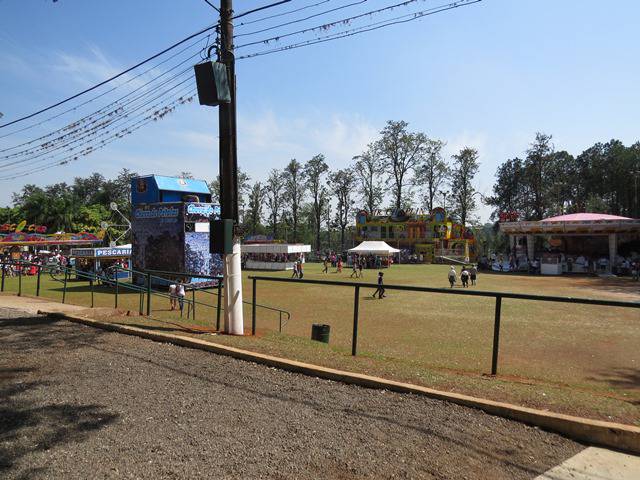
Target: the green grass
(577, 359)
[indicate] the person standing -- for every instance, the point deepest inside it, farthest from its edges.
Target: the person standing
(300, 269)
(180, 292)
(380, 289)
(361, 266)
(354, 269)
(172, 295)
(295, 270)
(339, 265)
(325, 265)
(453, 276)
(473, 274)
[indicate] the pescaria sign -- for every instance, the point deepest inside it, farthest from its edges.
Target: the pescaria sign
(22, 227)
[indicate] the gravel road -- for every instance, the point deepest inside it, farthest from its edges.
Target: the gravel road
(77, 402)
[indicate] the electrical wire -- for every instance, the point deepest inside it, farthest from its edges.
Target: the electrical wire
(90, 132)
(342, 7)
(241, 24)
(363, 29)
(100, 95)
(110, 79)
(158, 114)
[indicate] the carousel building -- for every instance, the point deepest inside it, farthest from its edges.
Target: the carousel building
(578, 242)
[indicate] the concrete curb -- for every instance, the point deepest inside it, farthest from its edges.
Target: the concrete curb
(596, 432)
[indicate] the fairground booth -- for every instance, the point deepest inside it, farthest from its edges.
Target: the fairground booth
(16, 238)
(103, 260)
(170, 227)
(273, 256)
(422, 236)
(575, 243)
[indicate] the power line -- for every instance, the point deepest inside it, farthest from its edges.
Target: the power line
(114, 77)
(101, 94)
(260, 9)
(342, 7)
(70, 142)
(212, 6)
(366, 28)
(158, 114)
(105, 111)
(241, 24)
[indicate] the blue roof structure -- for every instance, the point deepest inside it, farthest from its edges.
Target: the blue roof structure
(158, 188)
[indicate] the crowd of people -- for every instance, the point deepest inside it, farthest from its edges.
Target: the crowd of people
(26, 263)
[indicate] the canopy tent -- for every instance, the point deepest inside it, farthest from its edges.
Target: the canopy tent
(374, 248)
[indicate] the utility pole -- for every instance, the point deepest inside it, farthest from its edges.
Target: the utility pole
(232, 273)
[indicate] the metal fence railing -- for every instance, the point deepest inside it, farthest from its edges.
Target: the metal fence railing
(110, 278)
(498, 296)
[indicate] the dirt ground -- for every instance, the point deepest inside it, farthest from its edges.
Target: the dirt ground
(83, 403)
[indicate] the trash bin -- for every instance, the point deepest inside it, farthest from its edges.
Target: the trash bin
(320, 332)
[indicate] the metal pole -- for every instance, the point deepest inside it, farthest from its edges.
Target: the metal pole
(64, 288)
(253, 309)
(193, 301)
(3, 273)
(280, 328)
(117, 286)
(91, 287)
(20, 279)
(496, 336)
(228, 168)
(148, 294)
(356, 304)
(141, 301)
(219, 306)
(38, 281)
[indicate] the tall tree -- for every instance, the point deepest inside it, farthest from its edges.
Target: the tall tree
(368, 171)
(244, 188)
(432, 172)
(343, 184)
(295, 189)
(538, 166)
(315, 171)
(274, 190)
(465, 168)
(400, 152)
(254, 211)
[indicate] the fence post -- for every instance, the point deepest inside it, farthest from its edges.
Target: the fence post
(3, 273)
(253, 309)
(148, 294)
(116, 279)
(64, 288)
(141, 300)
(91, 287)
(38, 281)
(193, 301)
(280, 328)
(356, 304)
(219, 305)
(496, 336)
(20, 279)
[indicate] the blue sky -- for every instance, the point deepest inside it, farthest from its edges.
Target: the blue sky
(488, 76)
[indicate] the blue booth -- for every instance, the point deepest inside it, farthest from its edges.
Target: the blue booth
(170, 222)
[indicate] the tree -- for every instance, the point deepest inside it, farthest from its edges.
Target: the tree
(465, 167)
(295, 190)
(314, 171)
(400, 152)
(343, 183)
(537, 169)
(368, 172)
(88, 190)
(432, 172)
(243, 191)
(510, 190)
(274, 192)
(254, 211)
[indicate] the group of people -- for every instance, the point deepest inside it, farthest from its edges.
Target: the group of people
(467, 276)
(176, 295)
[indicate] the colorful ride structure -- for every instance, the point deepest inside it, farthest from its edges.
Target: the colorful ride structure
(430, 237)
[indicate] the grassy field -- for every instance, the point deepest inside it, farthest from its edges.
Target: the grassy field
(571, 358)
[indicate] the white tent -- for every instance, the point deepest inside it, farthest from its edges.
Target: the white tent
(374, 248)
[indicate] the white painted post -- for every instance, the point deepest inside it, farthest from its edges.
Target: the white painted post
(232, 275)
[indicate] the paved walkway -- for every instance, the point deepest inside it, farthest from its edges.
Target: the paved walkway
(596, 464)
